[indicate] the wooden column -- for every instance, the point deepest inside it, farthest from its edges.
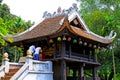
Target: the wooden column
(63, 49)
(94, 55)
(81, 72)
(74, 74)
(55, 50)
(63, 63)
(94, 73)
(70, 51)
(63, 70)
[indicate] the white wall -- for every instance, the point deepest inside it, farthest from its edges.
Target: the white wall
(39, 76)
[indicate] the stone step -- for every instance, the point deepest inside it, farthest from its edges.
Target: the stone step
(10, 74)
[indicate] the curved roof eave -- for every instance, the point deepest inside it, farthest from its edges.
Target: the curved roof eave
(92, 36)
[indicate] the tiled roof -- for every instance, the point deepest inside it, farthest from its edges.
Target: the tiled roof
(46, 27)
(51, 26)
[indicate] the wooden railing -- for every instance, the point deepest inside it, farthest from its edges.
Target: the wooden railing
(78, 56)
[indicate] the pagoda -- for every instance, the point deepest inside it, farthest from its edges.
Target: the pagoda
(67, 42)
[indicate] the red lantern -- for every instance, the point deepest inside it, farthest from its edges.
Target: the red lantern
(90, 45)
(69, 38)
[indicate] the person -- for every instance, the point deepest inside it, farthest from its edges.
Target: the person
(32, 48)
(37, 53)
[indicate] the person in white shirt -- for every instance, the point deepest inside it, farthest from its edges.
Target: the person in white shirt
(37, 53)
(32, 48)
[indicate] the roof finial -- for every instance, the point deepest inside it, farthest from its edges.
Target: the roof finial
(61, 12)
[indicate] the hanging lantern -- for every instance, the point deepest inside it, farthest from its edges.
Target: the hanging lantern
(85, 43)
(90, 45)
(74, 41)
(94, 46)
(64, 38)
(99, 47)
(21, 45)
(69, 38)
(51, 40)
(80, 42)
(59, 39)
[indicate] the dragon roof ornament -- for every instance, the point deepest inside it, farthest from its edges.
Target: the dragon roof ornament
(61, 12)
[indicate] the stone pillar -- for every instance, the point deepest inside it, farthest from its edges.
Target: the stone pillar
(29, 59)
(6, 62)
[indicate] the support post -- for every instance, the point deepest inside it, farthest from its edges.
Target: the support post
(63, 70)
(74, 74)
(70, 51)
(63, 49)
(95, 73)
(55, 50)
(81, 72)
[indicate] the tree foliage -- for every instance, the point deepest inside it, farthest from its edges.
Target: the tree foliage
(102, 16)
(11, 24)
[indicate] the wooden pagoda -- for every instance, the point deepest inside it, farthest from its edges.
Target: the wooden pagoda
(67, 42)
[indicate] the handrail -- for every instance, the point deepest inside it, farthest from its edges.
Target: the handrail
(1, 68)
(2, 72)
(23, 69)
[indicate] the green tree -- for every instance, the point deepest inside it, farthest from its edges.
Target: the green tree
(11, 24)
(102, 16)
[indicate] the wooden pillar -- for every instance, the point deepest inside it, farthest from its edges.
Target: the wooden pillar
(63, 49)
(55, 50)
(74, 74)
(94, 73)
(94, 55)
(81, 72)
(63, 70)
(70, 50)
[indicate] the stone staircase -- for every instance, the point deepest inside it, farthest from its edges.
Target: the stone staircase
(26, 69)
(10, 74)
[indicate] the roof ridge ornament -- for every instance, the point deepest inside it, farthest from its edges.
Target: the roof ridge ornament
(61, 12)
